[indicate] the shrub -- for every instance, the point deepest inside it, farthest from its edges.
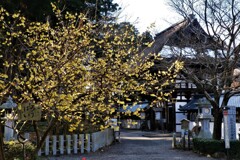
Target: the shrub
(210, 146)
(235, 149)
(14, 150)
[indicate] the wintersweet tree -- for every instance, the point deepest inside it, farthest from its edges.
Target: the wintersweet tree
(76, 71)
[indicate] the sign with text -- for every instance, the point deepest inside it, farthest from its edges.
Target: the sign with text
(29, 111)
(185, 124)
(232, 123)
(226, 132)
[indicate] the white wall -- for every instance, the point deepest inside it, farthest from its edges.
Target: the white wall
(178, 104)
(192, 124)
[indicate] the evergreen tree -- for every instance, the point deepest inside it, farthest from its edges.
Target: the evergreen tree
(36, 10)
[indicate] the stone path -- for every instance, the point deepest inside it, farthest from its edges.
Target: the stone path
(135, 146)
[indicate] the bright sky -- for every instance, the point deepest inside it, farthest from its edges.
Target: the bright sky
(143, 13)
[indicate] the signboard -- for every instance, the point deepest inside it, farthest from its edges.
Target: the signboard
(226, 132)
(232, 127)
(232, 122)
(185, 124)
(29, 111)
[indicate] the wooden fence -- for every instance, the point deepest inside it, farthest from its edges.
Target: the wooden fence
(76, 143)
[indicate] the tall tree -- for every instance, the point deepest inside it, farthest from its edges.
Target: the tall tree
(214, 67)
(94, 9)
(41, 10)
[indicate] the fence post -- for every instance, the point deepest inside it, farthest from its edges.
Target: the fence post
(47, 146)
(75, 143)
(184, 141)
(61, 144)
(54, 145)
(68, 144)
(81, 137)
(189, 140)
(88, 146)
(174, 140)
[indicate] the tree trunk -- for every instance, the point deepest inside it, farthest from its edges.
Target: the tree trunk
(42, 139)
(2, 157)
(217, 128)
(152, 120)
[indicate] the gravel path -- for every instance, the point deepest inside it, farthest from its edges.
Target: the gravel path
(135, 146)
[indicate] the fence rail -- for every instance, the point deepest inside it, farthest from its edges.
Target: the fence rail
(76, 143)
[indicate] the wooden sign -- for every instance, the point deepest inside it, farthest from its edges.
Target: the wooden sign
(185, 124)
(29, 111)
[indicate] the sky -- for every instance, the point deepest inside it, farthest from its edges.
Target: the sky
(145, 13)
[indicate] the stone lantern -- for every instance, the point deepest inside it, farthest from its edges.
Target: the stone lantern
(9, 118)
(204, 117)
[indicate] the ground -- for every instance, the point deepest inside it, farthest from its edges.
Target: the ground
(138, 145)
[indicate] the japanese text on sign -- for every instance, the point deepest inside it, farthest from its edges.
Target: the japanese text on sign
(29, 111)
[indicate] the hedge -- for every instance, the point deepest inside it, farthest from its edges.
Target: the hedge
(210, 147)
(14, 150)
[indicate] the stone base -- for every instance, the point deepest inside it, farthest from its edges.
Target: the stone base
(205, 134)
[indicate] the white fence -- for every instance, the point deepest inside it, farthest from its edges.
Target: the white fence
(76, 143)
